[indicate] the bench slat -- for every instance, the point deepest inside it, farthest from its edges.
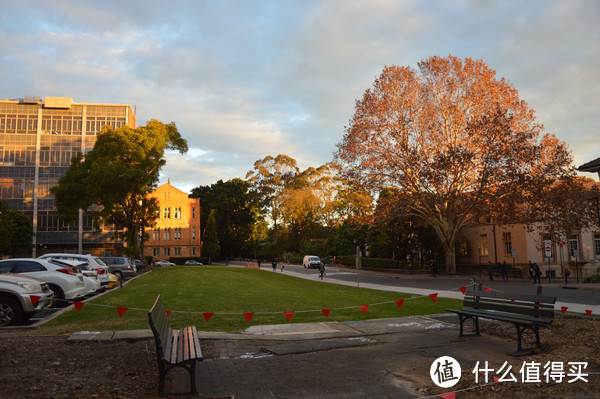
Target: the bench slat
(520, 297)
(544, 313)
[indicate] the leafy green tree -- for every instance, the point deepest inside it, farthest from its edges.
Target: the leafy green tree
(269, 178)
(236, 213)
(116, 176)
(16, 231)
(210, 243)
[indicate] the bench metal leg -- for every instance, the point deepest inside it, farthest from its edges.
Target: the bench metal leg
(192, 372)
(162, 372)
(475, 320)
(190, 368)
(520, 329)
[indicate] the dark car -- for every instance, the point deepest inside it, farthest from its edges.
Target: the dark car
(120, 266)
(140, 265)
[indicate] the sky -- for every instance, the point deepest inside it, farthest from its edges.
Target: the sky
(244, 79)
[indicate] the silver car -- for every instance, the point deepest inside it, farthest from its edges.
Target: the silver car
(66, 282)
(21, 297)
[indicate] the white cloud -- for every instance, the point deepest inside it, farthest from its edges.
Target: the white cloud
(243, 80)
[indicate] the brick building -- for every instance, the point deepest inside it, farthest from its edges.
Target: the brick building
(177, 230)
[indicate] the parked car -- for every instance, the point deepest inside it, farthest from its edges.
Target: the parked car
(120, 266)
(112, 280)
(94, 262)
(90, 276)
(140, 265)
(163, 263)
(66, 282)
(310, 261)
(192, 262)
(16, 304)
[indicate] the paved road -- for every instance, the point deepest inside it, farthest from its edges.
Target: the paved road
(577, 297)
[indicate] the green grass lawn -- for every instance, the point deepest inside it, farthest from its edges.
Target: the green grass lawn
(190, 291)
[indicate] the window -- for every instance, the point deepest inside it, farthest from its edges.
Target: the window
(177, 233)
(193, 251)
(155, 251)
(177, 251)
(156, 234)
(574, 245)
(193, 233)
(167, 251)
(483, 245)
(193, 213)
(597, 245)
(167, 233)
(177, 213)
(166, 213)
(506, 238)
(28, 266)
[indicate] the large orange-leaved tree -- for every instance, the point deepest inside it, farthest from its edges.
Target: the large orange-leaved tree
(456, 142)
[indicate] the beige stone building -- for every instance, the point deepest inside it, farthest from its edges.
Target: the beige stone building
(177, 230)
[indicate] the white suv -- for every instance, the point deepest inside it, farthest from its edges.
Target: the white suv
(66, 282)
(94, 262)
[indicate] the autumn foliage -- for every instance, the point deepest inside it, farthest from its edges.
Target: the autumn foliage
(456, 142)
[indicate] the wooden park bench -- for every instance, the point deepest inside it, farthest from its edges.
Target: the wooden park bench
(174, 348)
(524, 311)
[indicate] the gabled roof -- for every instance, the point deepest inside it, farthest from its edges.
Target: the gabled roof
(592, 166)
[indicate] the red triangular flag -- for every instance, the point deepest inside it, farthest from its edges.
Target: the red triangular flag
(512, 300)
(588, 312)
(433, 296)
(326, 312)
(121, 310)
(449, 395)
(564, 308)
(207, 316)
(248, 316)
(34, 299)
(399, 302)
(364, 308)
(289, 315)
(496, 379)
(487, 289)
(168, 312)
(463, 290)
(78, 305)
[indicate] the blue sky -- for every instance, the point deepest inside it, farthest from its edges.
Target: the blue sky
(246, 79)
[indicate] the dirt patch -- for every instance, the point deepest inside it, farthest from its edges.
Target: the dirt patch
(568, 339)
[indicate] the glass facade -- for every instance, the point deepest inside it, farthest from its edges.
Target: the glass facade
(37, 141)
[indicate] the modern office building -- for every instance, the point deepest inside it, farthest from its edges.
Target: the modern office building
(37, 141)
(177, 230)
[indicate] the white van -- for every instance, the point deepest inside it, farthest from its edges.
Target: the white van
(310, 261)
(93, 261)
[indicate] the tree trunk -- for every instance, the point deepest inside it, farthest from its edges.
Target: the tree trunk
(450, 251)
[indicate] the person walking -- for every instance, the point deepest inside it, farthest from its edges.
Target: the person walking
(491, 270)
(537, 274)
(531, 271)
(566, 273)
(505, 271)
(321, 270)
(274, 265)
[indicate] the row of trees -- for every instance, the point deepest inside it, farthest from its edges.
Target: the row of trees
(427, 152)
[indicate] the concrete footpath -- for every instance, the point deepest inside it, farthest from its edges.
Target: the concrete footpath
(384, 358)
